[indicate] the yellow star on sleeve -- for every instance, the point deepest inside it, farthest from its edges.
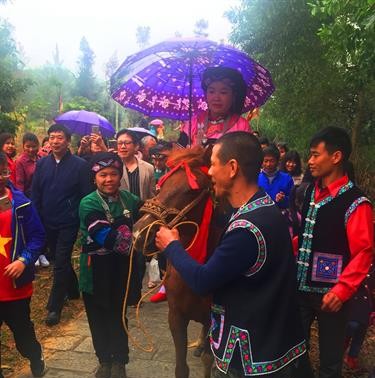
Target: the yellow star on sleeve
(3, 242)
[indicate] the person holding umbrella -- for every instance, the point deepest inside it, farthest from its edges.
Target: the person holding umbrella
(225, 92)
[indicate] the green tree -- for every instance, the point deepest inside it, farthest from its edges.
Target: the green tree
(51, 83)
(200, 28)
(282, 36)
(56, 57)
(348, 35)
(12, 80)
(86, 83)
(321, 57)
(143, 36)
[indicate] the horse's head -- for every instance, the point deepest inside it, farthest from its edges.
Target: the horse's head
(181, 197)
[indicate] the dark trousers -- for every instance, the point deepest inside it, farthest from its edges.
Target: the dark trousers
(108, 335)
(16, 315)
(355, 334)
(65, 283)
(332, 327)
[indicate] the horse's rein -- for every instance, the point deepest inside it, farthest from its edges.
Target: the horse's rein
(160, 212)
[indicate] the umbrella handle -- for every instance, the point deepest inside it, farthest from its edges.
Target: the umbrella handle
(190, 98)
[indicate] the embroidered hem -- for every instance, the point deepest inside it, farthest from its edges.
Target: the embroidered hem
(262, 248)
(251, 368)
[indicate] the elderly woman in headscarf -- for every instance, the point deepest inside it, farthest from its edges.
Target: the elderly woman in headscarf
(106, 217)
(225, 91)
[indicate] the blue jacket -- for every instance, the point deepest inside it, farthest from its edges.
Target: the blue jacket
(282, 182)
(28, 235)
(57, 189)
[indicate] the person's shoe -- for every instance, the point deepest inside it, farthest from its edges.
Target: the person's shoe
(151, 285)
(118, 370)
(103, 371)
(158, 297)
(53, 318)
(351, 362)
(37, 263)
(38, 367)
(43, 261)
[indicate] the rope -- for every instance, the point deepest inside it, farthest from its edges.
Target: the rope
(149, 348)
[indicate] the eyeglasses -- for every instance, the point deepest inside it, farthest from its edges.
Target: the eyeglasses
(159, 157)
(5, 174)
(123, 143)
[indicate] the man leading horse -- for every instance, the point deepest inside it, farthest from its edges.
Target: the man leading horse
(255, 329)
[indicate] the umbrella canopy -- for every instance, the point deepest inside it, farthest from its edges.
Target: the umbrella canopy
(156, 122)
(141, 132)
(81, 122)
(165, 80)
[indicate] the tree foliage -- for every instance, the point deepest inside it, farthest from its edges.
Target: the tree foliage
(200, 28)
(86, 83)
(348, 34)
(143, 36)
(310, 91)
(306, 86)
(51, 83)
(321, 57)
(12, 80)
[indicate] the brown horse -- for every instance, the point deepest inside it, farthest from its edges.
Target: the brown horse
(177, 202)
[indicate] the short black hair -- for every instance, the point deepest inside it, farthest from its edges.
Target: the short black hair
(264, 140)
(283, 145)
(3, 138)
(130, 133)
(271, 151)
(335, 139)
(56, 128)
(161, 147)
(30, 137)
(292, 156)
(3, 159)
(245, 149)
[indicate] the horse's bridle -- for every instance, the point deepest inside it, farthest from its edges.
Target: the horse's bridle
(159, 211)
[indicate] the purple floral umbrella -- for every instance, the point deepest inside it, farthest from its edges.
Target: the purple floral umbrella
(165, 80)
(81, 122)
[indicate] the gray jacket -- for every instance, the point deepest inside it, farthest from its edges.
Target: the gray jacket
(146, 180)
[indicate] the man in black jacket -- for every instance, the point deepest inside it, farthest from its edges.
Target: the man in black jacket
(60, 181)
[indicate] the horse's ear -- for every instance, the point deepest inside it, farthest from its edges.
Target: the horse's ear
(207, 155)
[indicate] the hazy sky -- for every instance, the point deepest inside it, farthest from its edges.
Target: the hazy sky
(109, 25)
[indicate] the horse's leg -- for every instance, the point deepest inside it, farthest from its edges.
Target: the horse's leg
(201, 340)
(206, 357)
(178, 326)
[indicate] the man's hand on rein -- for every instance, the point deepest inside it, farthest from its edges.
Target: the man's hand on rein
(165, 236)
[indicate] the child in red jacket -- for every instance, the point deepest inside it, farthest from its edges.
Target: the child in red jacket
(21, 237)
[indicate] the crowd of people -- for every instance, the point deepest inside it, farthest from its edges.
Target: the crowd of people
(297, 248)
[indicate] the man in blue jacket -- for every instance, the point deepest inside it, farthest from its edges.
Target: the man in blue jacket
(60, 181)
(275, 183)
(21, 238)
